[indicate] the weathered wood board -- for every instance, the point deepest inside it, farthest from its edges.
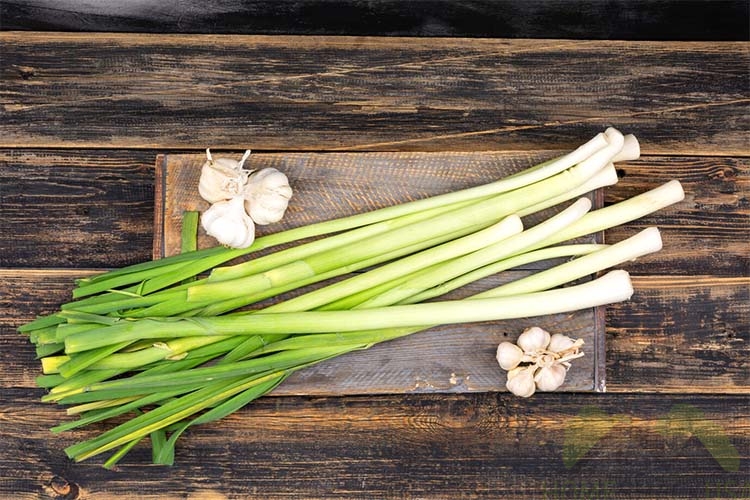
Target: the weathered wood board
(444, 359)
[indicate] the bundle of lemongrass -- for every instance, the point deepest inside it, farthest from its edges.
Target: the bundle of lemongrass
(172, 350)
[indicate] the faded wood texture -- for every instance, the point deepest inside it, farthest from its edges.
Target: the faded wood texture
(326, 186)
(413, 446)
(341, 93)
(592, 19)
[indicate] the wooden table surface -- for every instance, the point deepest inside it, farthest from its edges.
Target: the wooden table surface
(83, 116)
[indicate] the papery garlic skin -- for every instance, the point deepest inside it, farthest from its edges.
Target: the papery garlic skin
(508, 355)
(521, 381)
(228, 222)
(267, 194)
(549, 378)
(222, 178)
(533, 340)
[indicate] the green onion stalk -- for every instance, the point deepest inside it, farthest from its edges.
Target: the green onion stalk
(171, 347)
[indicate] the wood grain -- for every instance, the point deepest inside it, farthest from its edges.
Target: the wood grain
(71, 209)
(350, 93)
(684, 334)
(613, 20)
(411, 446)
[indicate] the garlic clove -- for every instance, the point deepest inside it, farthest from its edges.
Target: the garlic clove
(521, 381)
(508, 355)
(560, 343)
(222, 178)
(533, 339)
(229, 224)
(267, 195)
(549, 378)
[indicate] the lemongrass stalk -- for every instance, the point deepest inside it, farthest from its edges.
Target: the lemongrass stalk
(549, 302)
(489, 210)
(638, 245)
(152, 264)
(605, 177)
(166, 415)
(493, 235)
(212, 308)
(620, 213)
(189, 232)
(124, 450)
(95, 407)
(104, 285)
(158, 352)
(631, 150)
(81, 361)
(503, 265)
(434, 275)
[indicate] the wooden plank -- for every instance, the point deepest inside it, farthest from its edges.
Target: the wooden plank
(354, 93)
(414, 446)
(674, 325)
(72, 209)
(55, 200)
(326, 186)
(677, 334)
(613, 20)
(706, 234)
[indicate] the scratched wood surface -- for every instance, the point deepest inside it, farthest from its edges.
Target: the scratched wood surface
(83, 118)
(357, 93)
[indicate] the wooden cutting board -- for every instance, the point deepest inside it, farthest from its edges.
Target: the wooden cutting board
(456, 358)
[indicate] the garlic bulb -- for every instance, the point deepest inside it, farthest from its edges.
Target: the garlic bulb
(508, 355)
(539, 361)
(549, 378)
(222, 178)
(559, 343)
(533, 339)
(227, 221)
(521, 381)
(267, 195)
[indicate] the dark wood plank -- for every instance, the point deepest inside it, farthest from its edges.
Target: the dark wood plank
(353, 93)
(684, 334)
(677, 334)
(708, 233)
(579, 19)
(110, 194)
(78, 210)
(414, 446)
